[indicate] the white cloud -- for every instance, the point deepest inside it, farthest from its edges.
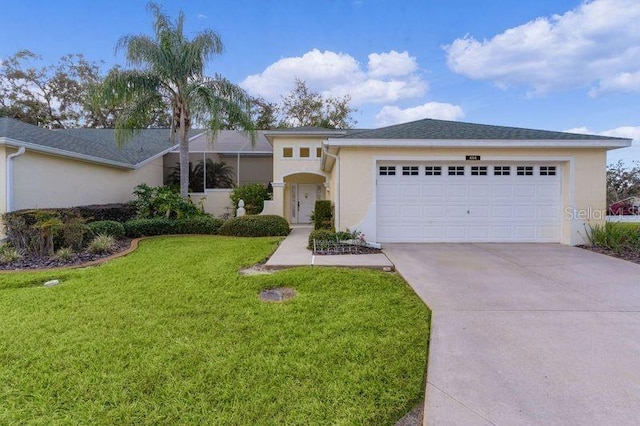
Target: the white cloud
(595, 45)
(391, 64)
(393, 115)
(626, 154)
(202, 16)
(389, 77)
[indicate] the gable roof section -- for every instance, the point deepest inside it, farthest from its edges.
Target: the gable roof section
(442, 129)
(94, 145)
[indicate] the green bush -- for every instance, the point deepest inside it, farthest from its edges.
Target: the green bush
(42, 231)
(9, 254)
(255, 226)
(327, 235)
(197, 225)
(253, 196)
(102, 244)
(322, 215)
(163, 202)
(119, 212)
(107, 227)
(618, 237)
(148, 227)
(162, 226)
(64, 254)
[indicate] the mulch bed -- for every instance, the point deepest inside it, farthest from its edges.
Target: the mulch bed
(630, 255)
(45, 262)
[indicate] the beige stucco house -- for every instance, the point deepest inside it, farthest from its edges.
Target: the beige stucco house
(443, 181)
(41, 168)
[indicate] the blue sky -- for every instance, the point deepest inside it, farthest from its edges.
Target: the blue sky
(546, 64)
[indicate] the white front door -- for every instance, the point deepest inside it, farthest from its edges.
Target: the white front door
(303, 197)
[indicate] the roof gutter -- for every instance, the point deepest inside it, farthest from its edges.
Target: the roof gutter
(479, 143)
(10, 157)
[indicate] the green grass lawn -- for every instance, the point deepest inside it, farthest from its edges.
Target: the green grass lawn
(172, 334)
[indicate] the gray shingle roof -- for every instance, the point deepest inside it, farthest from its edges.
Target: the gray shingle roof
(441, 129)
(96, 144)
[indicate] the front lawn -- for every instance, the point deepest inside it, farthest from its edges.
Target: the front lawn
(172, 334)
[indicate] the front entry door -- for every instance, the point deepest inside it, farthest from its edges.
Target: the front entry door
(303, 196)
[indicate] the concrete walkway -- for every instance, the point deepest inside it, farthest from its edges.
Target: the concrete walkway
(527, 333)
(293, 252)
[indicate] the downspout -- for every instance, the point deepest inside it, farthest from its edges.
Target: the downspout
(335, 157)
(10, 158)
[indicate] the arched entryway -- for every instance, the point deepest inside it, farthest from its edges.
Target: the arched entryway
(301, 190)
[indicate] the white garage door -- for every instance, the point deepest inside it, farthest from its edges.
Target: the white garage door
(449, 202)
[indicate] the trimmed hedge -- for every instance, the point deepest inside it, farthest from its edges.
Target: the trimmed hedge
(197, 225)
(119, 212)
(162, 226)
(327, 235)
(107, 227)
(323, 215)
(255, 226)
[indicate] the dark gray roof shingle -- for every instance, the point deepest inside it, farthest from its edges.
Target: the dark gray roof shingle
(96, 143)
(442, 129)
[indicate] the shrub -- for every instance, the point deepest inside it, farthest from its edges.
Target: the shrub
(322, 215)
(9, 254)
(148, 227)
(42, 231)
(64, 253)
(197, 225)
(161, 226)
(253, 196)
(119, 212)
(618, 237)
(107, 227)
(255, 226)
(102, 244)
(163, 201)
(327, 235)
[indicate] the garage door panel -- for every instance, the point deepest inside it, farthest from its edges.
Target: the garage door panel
(474, 208)
(521, 190)
(432, 190)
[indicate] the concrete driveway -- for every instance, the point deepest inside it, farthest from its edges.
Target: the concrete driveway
(527, 333)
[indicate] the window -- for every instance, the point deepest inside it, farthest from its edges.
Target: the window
(304, 152)
(456, 170)
(524, 171)
(502, 170)
(387, 170)
(409, 170)
(287, 152)
(478, 170)
(319, 152)
(433, 170)
(547, 170)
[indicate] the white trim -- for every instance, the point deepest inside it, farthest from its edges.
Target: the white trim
(478, 143)
(9, 177)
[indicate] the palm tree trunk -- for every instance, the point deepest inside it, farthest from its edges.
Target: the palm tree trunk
(183, 137)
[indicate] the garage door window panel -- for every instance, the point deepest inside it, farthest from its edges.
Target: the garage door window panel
(410, 171)
(478, 170)
(387, 171)
(456, 170)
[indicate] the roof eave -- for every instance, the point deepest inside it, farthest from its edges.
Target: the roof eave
(65, 154)
(480, 143)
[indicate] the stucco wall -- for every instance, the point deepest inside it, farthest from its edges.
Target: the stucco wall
(287, 166)
(42, 181)
(215, 202)
(583, 183)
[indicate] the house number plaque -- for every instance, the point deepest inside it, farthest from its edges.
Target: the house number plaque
(473, 158)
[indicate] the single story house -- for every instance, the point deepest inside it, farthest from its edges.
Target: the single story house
(444, 181)
(424, 181)
(41, 168)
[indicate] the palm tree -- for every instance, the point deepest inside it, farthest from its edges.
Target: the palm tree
(218, 175)
(170, 68)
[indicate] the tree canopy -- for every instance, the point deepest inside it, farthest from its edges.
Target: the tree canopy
(304, 107)
(169, 68)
